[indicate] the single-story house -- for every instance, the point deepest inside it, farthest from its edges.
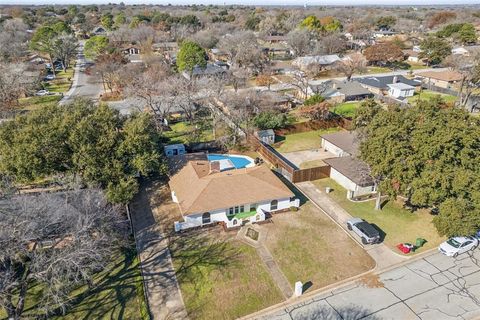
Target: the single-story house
(353, 175)
(345, 169)
(165, 46)
(207, 195)
(99, 31)
(304, 63)
(340, 91)
(384, 33)
(211, 70)
(266, 136)
(174, 149)
(400, 90)
(131, 50)
(379, 85)
(443, 79)
(275, 38)
(412, 56)
(218, 54)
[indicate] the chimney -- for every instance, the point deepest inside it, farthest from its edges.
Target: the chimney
(395, 79)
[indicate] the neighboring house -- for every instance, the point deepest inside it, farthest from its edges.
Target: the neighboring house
(131, 50)
(348, 171)
(400, 90)
(167, 49)
(266, 136)
(206, 195)
(211, 70)
(340, 91)
(413, 56)
(304, 63)
(218, 54)
(174, 149)
(379, 85)
(442, 79)
(276, 39)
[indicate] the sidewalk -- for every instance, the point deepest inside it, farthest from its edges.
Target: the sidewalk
(161, 286)
(383, 256)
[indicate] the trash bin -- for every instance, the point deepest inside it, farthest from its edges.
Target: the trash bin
(420, 242)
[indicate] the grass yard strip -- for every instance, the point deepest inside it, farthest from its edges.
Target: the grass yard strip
(310, 248)
(221, 279)
(346, 109)
(427, 95)
(302, 141)
(399, 224)
(61, 83)
(37, 102)
(117, 293)
(183, 132)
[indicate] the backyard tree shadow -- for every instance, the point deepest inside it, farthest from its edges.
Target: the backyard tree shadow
(326, 312)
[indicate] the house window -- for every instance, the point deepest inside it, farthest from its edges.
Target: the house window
(230, 211)
(206, 218)
(242, 209)
(234, 222)
(253, 207)
(274, 205)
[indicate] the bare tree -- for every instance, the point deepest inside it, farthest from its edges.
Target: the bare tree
(300, 41)
(65, 49)
(13, 84)
(109, 65)
(300, 81)
(330, 44)
(469, 68)
(13, 39)
(354, 62)
(243, 50)
(58, 240)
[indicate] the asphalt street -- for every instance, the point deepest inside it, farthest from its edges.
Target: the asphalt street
(435, 287)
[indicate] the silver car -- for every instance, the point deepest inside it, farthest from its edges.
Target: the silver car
(364, 230)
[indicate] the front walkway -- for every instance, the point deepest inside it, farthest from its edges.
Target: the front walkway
(383, 256)
(161, 286)
(267, 258)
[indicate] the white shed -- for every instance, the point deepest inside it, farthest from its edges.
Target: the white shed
(400, 90)
(266, 136)
(174, 149)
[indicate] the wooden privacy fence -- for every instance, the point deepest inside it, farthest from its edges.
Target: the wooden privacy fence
(289, 170)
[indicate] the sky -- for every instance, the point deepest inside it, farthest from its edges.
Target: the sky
(250, 2)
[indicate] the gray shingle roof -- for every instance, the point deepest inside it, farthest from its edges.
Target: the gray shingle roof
(383, 82)
(352, 168)
(345, 140)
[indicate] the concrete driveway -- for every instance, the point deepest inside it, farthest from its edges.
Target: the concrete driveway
(298, 157)
(435, 287)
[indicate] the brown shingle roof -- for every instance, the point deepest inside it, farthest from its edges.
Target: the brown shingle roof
(352, 168)
(448, 76)
(345, 140)
(199, 190)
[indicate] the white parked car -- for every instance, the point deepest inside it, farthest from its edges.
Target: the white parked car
(49, 77)
(458, 245)
(42, 93)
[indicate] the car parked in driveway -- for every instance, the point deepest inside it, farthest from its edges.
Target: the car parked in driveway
(368, 233)
(458, 245)
(49, 77)
(42, 93)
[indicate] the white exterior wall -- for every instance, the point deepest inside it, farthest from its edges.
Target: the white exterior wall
(401, 93)
(330, 147)
(353, 190)
(195, 220)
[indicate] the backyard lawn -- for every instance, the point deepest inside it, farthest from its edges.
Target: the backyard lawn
(399, 224)
(61, 83)
(301, 141)
(221, 278)
(117, 294)
(346, 109)
(310, 248)
(183, 132)
(427, 95)
(37, 102)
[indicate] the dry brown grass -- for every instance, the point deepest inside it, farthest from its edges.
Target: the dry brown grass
(308, 246)
(371, 281)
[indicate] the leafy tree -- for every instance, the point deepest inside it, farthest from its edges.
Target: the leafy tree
(252, 22)
(385, 22)
(65, 49)
(449, 30)
(311, 23)
(434, 49)
(120, 19)
(270, 120)
(94, 143)
(190, 55)
(95, 46)
(467, 34)
(107, 21)
(315, 99)
(427, 153)
(383, 53)
(44, 40)
(190, 20)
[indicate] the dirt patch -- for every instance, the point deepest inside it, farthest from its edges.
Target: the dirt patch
(371, 281)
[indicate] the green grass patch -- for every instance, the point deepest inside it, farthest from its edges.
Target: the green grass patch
(375, 69)
(399, 224)
(37, 102)
(184, 132)
(427, 95)
(61, 83)
(117, 293)
(301, 141)
(222, 279)
(346, 109)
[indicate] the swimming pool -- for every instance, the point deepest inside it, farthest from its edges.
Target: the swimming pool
(228, 162)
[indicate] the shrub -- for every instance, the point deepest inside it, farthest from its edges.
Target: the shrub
(315, 99)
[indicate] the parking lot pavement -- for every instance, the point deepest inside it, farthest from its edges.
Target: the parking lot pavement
(435, 287)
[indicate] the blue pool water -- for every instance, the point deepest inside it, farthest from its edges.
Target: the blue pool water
(238, 162)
